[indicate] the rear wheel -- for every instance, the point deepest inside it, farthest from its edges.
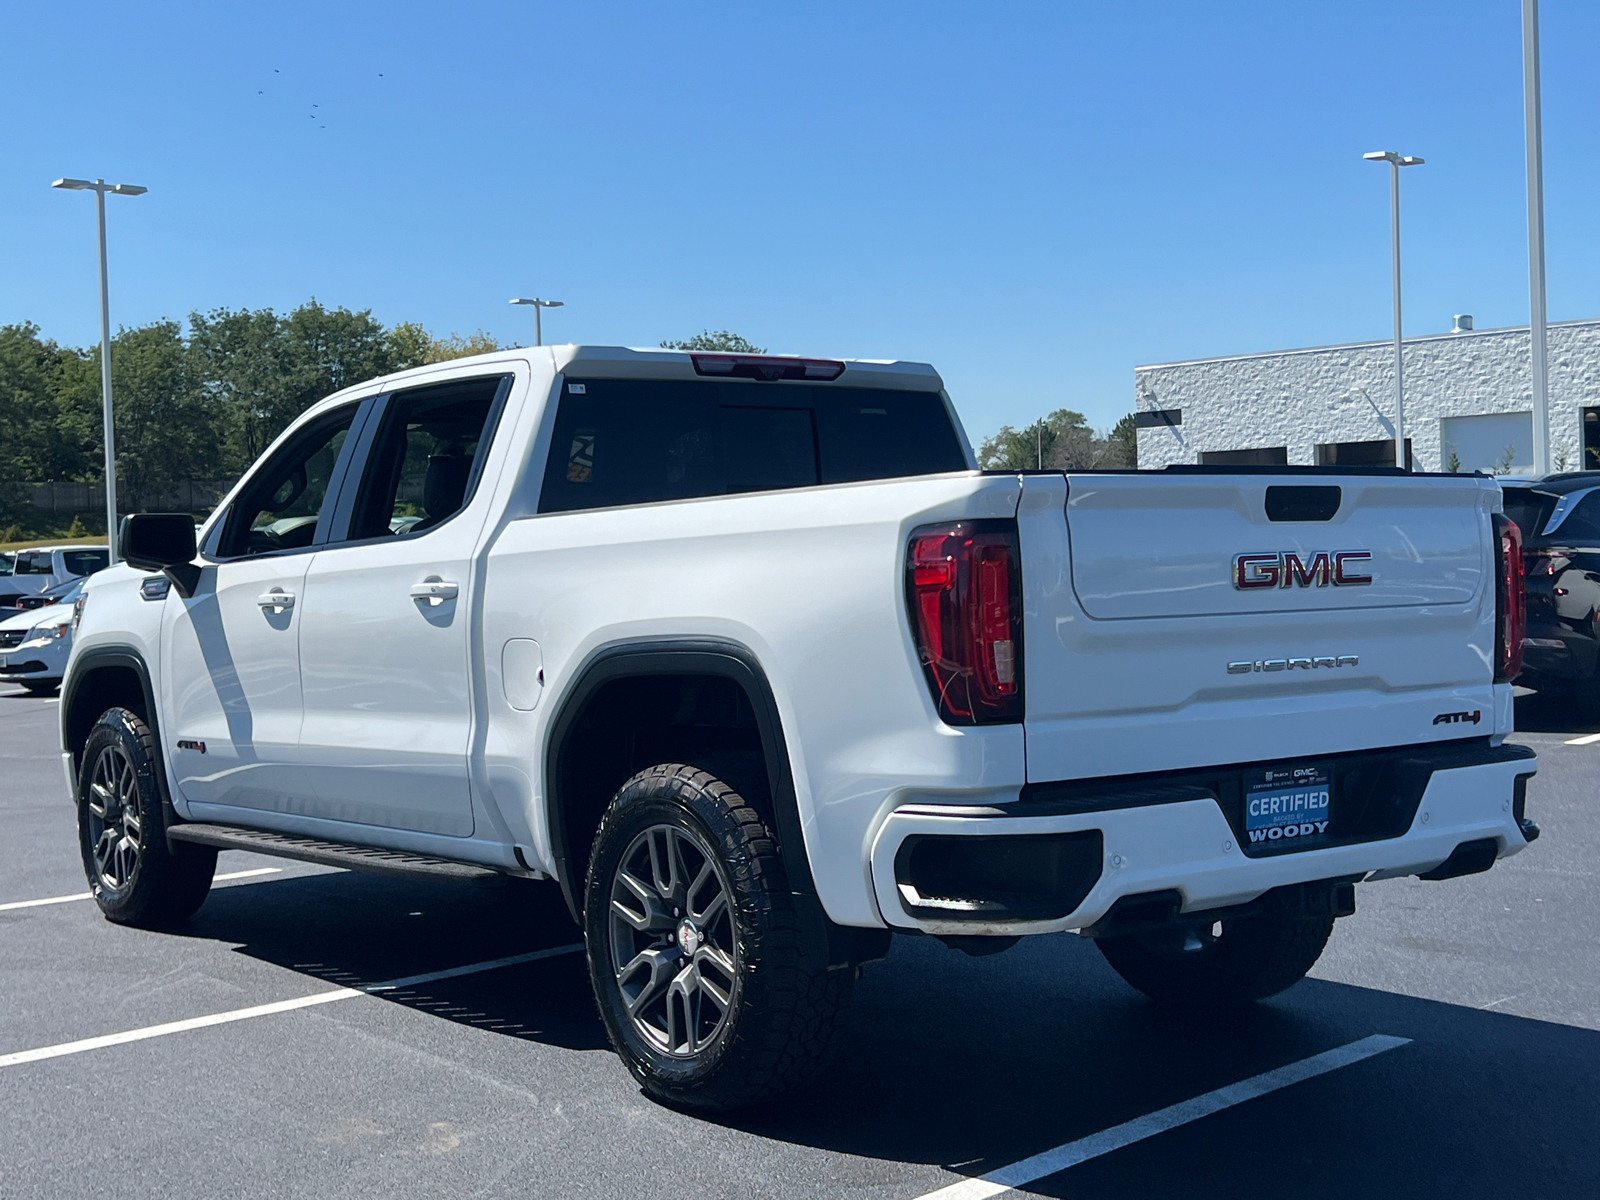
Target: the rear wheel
(136, 878)
(709, 981)
(1231, 961)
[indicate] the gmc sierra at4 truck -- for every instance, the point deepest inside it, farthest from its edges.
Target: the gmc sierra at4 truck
(747, 655)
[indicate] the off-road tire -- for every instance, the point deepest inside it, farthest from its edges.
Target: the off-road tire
(136, 878)
(786, 1003)
(1256, 956)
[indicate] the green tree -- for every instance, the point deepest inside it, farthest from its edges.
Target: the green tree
(1061, 441)
(1122, 443)
(167, 427)
(265, 370)
(720, 339)
(243, 362)
(28, 369)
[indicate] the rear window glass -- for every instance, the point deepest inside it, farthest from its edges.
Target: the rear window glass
(628, 441)
(85, 562)
(35, 564)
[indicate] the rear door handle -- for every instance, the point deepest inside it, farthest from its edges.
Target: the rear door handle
(435, 590)
(277, 600)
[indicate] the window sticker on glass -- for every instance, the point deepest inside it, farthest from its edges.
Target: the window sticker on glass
(576, 389)
(580, 459)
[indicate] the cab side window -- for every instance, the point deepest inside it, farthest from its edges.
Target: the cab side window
(280, 506)
(426, 458)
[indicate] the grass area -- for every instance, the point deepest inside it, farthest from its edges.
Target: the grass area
(32, 543)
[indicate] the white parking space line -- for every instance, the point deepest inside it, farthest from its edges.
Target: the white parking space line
(90, 895)
(1029, 1170)
(277, 1006)
(1587, 739)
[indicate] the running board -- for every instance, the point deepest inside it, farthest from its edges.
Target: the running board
(327, 854)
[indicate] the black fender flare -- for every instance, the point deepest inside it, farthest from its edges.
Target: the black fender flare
(688, 656)
(115, 655)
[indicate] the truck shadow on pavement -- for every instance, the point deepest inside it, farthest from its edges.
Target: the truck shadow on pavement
(974, 1063)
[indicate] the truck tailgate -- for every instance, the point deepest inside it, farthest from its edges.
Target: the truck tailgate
(1353, 620)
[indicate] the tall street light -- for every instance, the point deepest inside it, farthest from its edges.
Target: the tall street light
(538, 330)
(1396, 161)
(100, 187)
(1536, 309)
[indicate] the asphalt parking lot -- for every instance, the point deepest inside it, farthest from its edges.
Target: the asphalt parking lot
(1473, 1006)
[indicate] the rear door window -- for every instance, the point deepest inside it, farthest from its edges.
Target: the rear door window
(427, 457)
(35, 564)
(629, 441)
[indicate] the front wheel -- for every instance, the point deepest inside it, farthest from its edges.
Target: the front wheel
(135, 877)
(706, 974)
(1231, 961)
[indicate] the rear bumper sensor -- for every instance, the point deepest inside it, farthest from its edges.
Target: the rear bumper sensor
(327, 854)
(998, 878)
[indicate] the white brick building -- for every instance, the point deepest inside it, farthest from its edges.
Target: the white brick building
(1466, 392)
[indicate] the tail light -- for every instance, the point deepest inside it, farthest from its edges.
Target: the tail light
(1510, 600)
(964, 590)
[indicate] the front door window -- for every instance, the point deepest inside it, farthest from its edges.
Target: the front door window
(280, 507)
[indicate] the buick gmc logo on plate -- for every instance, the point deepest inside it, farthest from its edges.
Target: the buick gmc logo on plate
(1341, 568)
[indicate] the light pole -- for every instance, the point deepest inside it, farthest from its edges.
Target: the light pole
(538, 331)
(1536, 311)
(1396, 161)
(100, 187)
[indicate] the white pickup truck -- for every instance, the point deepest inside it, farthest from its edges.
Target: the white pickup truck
(747, 655)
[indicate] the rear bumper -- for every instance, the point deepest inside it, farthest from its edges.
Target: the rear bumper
(1188, 845)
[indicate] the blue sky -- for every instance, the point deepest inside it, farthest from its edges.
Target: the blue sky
(1035, 198)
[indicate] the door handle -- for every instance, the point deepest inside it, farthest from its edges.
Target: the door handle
(277, 600)
(435, 590)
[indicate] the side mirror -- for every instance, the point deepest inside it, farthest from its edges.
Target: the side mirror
(161, 542)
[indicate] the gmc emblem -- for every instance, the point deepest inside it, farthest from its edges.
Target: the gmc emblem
(1341, 569)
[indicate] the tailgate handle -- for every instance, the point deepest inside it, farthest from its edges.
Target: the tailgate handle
(1302, 503)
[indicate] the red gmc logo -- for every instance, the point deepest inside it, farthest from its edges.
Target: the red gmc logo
(1341, 569)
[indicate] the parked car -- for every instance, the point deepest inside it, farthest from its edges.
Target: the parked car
(746, 654)
(62, 591)
(1560, 521)
(35, 644)
(42, 568)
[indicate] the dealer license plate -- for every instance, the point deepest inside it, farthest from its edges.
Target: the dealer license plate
(1287, 806)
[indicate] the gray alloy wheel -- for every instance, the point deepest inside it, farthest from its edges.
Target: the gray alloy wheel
(115, 831)
(715, 986)
(135, 876)
(671, 940)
